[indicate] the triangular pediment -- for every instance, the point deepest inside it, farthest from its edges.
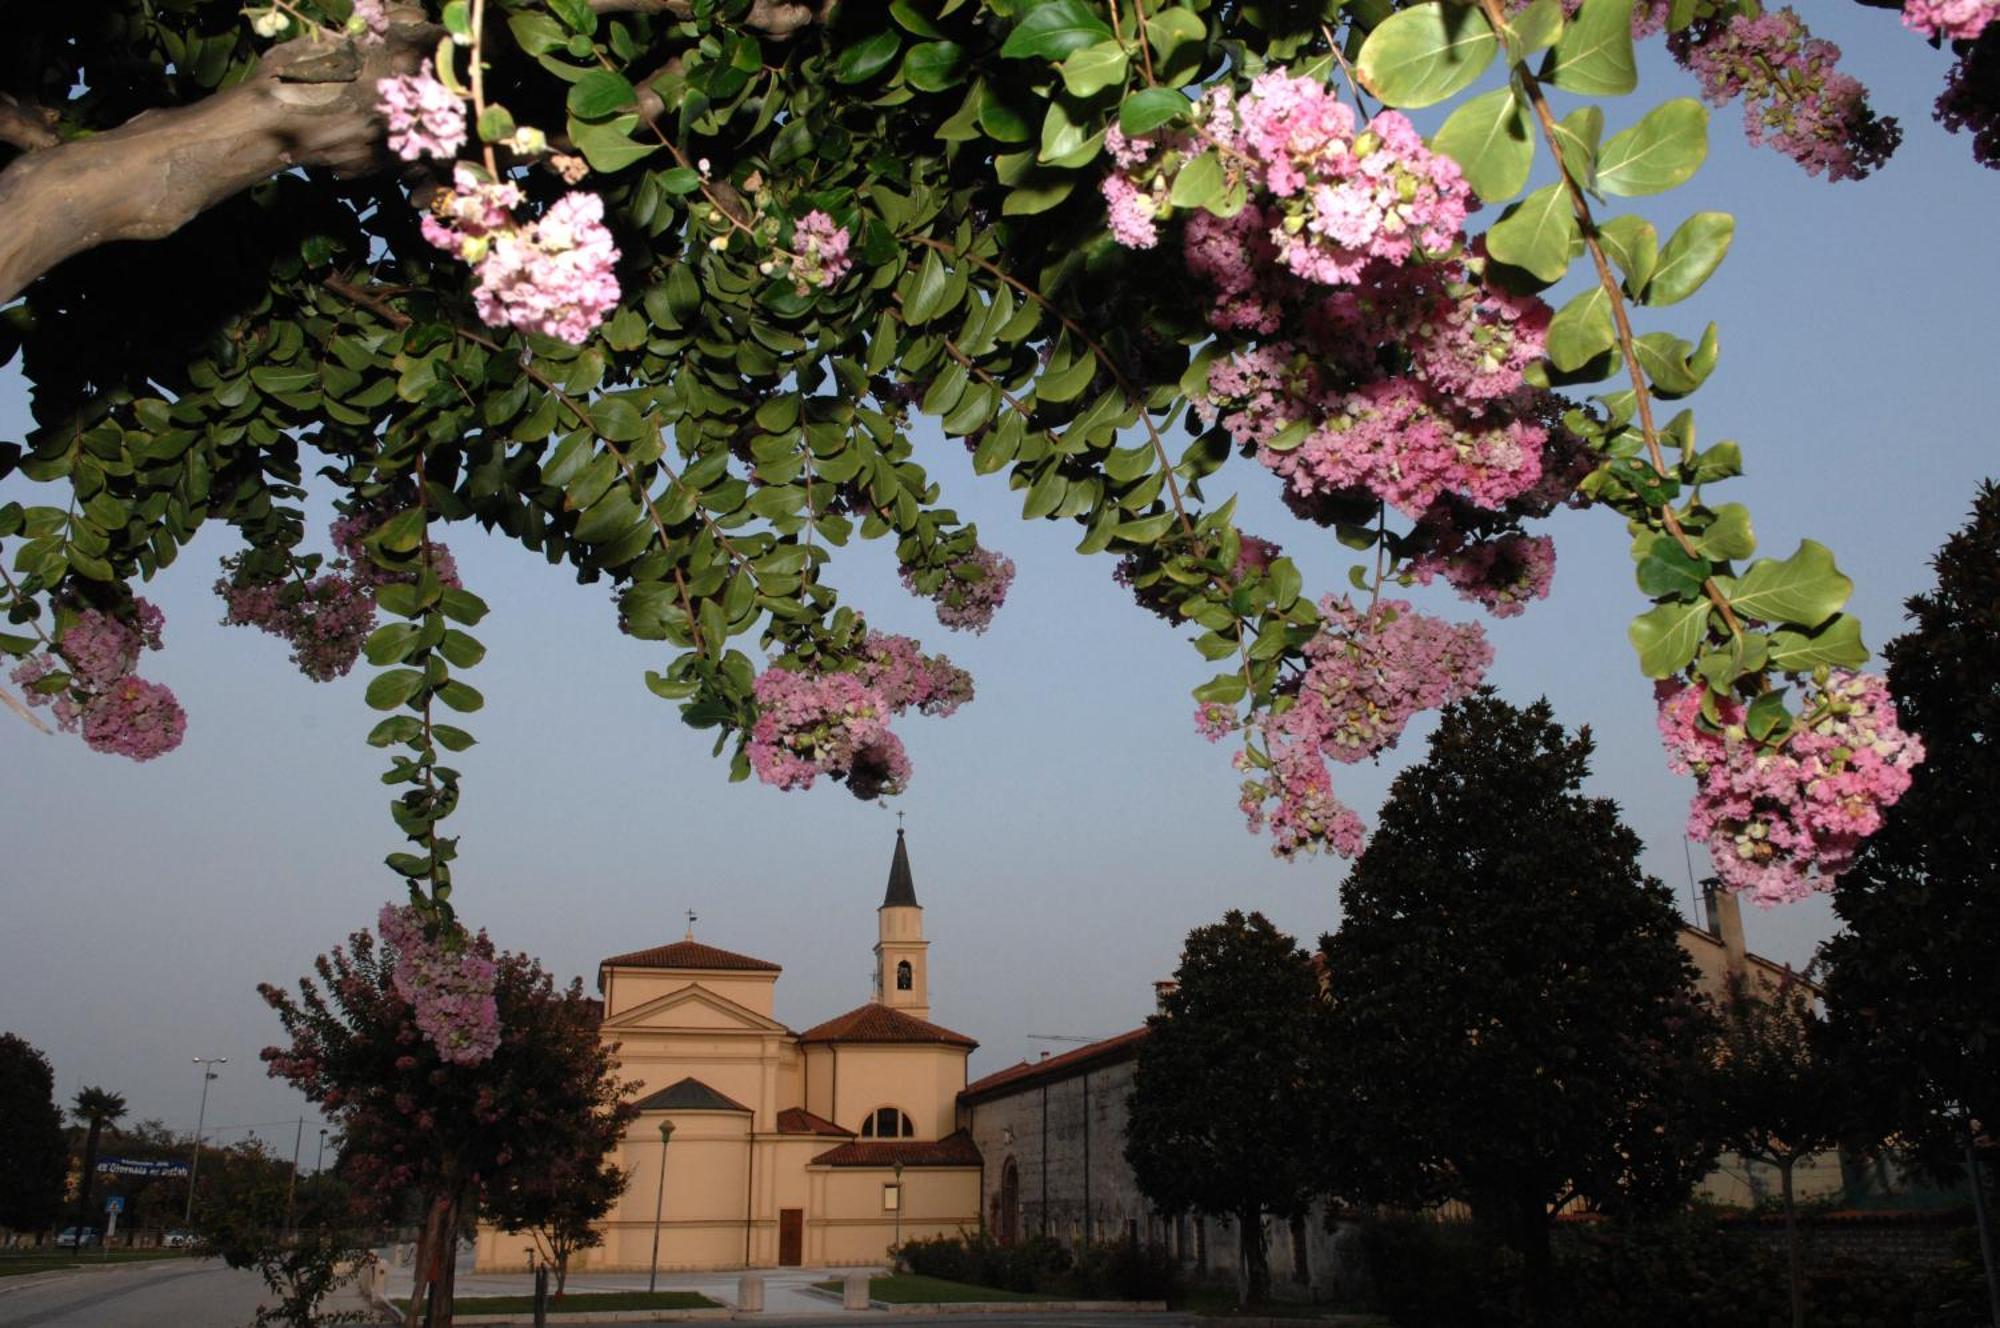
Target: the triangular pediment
(693, 1008)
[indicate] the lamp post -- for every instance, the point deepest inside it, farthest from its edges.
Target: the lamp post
(659, 1203)
(899, 1206)
(208, 1076)
(320, 1165)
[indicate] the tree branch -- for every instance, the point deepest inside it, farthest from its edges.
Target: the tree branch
(776, 19)
(26, 126)
(310, 102)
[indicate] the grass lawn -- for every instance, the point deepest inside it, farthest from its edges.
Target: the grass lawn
(911, 1289)
(579, 1302)
(20, 1263)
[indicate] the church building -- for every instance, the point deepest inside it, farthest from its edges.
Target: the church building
(820, 1147)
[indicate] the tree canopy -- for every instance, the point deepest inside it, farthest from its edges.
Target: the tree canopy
(661, 290)
(33, 1152)
(1511, 1017)
(1220, 1118)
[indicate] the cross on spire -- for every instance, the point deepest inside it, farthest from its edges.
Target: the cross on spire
(691, 922)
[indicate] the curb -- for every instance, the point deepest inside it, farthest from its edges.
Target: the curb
(1028, 1307)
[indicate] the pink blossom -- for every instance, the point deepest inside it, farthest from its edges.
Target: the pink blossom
(134, 718)
(554, 276)
(819, 255)
(1953, 20)
(463, 220)
(1475, 344)
(1783, 821)
(896, 668)
(1131, 211)
(822, 724)
(370, 21)
(971, 590)
(1215, 721)
(449, 989)
(1307, 817)
(426, 119)
(324, 620)
(1503, 574)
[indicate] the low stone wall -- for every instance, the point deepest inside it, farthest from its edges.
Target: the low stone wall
(1905, 1240)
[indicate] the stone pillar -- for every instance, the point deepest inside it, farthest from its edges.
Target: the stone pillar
(854, 1292)
(750, 1293)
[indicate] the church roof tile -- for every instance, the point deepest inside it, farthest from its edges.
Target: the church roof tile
(954, 1150)
(690, 955)
(1015, 1077)
(879, 1023)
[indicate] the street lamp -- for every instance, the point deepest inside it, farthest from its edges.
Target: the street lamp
(320, 1165)
(659, 1202)
(208, 1076)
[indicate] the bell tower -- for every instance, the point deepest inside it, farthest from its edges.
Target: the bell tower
(902, 973)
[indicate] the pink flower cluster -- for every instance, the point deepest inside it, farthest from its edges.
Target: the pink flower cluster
(830, 724)
(449, 989)
(118, 712)
(370, 22)
(426, 118)
(1792, 95)
(1648, 16)
(1367, 673)
(1502, 574)
(972, 591)
(1953, 20)
(350, 532)
(819, 251)
(1781, 822)
(324, 620)
(1342, 196)
(897, 670)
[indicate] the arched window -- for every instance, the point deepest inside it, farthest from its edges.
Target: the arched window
(1009, 1201)
(904, 977)
(888, 1123)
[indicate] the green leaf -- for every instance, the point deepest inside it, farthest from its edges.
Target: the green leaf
(599, 93)
(1635, 246)
(935, 66)
(1767, 717)
(1581, 330)
(608, 147)
(388, 690)
(1094, 68)
(1666, 569)
(1170, 29)
(1199, 183)
(1697, 249)
(1536, 27)
(1492, 141)
(1728, 535)
(1537, 234)
(1421, 55)
(1052, 29)
(1805, 588)
(536, 34)
(862, 60)
(928, 291)
(1577, 136)
(1147, 110)
(617, 419)
(1663, 150)
(1837, 644)
(1667, 637)
(1594, 54)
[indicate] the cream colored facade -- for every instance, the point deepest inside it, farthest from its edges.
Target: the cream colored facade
(786, 1147)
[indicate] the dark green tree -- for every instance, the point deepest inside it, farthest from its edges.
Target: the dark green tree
(1781, 1094)
(1221, 1107)
(246, 1205)
(94, 1108)
(1913, 980)
(32, 1150)
(1511, 1016)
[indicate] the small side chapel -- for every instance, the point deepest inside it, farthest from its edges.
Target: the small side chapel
(788, 1148)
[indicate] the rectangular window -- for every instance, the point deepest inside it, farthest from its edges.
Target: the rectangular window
(892, 1196)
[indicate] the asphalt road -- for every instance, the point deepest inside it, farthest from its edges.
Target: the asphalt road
(170, 1293)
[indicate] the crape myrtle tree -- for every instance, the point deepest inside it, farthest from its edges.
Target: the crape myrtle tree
(1220, 1118)
(306, 1237)
(661, 289)
(1781, 1092)
(464, 1094)
(33, 1151)
(560, 1204)
(1510, 1019)
(1912, 983)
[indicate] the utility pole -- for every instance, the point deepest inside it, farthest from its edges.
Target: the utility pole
(320, 1165)
(292, 1184)
(208, 1076)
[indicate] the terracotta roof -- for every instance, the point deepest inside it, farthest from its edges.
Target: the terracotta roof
(879, 1023)
(797, 1120)
(954, 1150)
(1110, 1051)
(689, 1095)
(689, 954)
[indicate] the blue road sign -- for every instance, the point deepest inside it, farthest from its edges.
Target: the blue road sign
(114, 1203)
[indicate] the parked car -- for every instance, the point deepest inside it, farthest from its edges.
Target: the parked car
(180, 1240)
(77, 1238)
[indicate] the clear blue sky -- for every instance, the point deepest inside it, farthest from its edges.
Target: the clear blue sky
(1068, 827)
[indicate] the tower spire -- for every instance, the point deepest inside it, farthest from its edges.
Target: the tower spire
(902, 892)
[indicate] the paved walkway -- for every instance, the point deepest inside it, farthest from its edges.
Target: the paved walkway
(170, 1293)
(785, 1289)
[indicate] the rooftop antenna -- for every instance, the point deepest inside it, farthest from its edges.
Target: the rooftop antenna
(1060, 1037)
(691, 922)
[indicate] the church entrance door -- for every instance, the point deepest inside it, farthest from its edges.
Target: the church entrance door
(791, 1237)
